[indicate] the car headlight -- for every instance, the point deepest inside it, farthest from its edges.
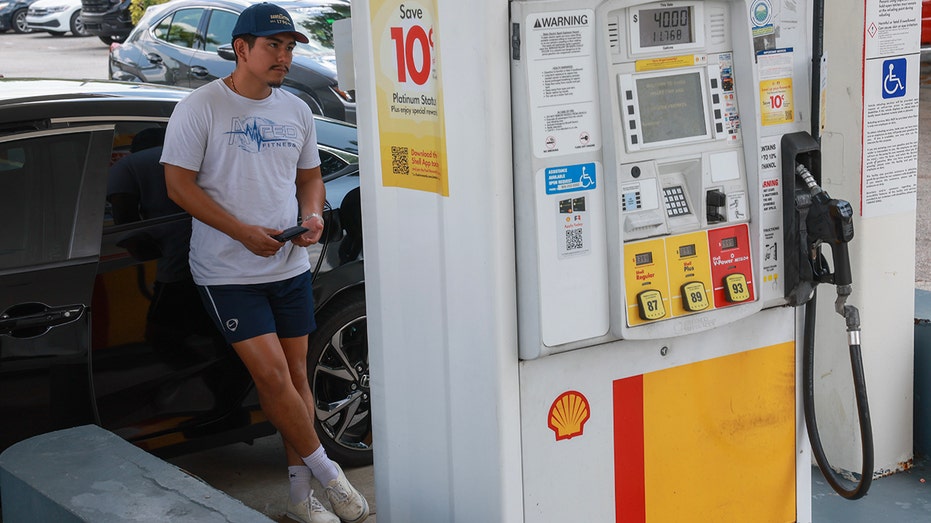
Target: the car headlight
(56, 9)
(4, 5)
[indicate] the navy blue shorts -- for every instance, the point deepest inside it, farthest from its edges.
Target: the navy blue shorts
(242, 312)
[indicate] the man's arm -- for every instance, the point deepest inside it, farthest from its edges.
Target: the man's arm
(311, 194)
(183, 190)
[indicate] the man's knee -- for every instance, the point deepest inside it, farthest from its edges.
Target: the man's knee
(271, 379)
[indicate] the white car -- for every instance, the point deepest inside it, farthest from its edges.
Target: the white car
(57, 17)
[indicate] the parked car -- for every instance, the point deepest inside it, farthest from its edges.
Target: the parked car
(109, 20)
(81, 340)
(188, 43)
(13, 15)
(56, 17)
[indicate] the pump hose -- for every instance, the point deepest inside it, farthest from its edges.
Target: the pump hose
(863, 409)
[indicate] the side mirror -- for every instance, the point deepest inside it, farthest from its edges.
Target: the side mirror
(226, 52)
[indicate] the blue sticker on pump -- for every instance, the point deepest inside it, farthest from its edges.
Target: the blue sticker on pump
(570, 178)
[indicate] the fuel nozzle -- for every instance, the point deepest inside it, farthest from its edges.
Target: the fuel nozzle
(829, 221)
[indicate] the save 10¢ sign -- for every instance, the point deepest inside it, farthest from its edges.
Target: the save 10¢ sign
(413, 46)
(408, 93)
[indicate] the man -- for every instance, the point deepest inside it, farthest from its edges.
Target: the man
(236, 153)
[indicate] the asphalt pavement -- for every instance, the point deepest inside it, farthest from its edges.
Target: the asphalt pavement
(923, 230)
(257, 475)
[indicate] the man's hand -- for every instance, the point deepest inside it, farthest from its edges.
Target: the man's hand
(314, 224)
(259, 240)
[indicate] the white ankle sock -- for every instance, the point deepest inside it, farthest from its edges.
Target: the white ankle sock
(299, 475)
(322, 467)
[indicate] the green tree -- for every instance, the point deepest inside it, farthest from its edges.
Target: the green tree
(137, 8)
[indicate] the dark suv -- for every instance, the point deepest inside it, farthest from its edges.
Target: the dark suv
(83, 338)
(109, 20)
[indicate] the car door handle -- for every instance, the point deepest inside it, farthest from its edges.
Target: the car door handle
(199, 71)
(154, 58)
(50, 317)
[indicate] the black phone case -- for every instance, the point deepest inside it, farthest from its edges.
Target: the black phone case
(290, 232)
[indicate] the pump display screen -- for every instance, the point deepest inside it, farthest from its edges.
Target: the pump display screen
(666, 26)
(671, 107)
(687, 251)
(643, 258)
(728, 243)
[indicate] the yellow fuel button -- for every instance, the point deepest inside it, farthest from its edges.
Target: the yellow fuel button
(735, 288)
(694, 298)
(651, 305)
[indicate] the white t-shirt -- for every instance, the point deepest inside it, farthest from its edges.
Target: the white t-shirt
(246, 153)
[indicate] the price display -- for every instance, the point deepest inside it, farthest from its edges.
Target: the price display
(687, 251)
(643, 258)
(665, 26)
(729, 243)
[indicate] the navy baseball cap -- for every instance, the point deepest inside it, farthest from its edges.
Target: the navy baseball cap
(266, 19)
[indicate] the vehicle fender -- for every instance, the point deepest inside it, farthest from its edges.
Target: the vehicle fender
(330, 284)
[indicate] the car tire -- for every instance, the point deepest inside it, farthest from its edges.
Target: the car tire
(77, 25)
(338, 371)
(18, 21)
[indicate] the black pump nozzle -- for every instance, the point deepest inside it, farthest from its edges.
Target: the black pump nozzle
(830, 221)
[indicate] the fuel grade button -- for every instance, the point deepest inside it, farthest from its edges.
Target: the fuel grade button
(735, 288)
(694, 298)
(651, 305)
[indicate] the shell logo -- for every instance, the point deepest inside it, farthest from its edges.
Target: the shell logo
(568, 415)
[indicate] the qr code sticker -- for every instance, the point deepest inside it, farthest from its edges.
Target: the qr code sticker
(399, 160)
(574, 239)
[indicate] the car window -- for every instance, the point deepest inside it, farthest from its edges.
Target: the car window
(219, 29)
(330, 163)
(317, 24)
(180, 28)
(40, 181)
(146, 238)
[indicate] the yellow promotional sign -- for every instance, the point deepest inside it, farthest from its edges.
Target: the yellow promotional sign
(776, 101)
(409, 97)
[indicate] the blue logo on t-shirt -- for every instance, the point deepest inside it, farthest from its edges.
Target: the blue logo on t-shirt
(253, 133)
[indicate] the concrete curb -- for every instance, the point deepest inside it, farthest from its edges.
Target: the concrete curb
(89, 474)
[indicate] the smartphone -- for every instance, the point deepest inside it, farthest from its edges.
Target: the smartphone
(290, 232)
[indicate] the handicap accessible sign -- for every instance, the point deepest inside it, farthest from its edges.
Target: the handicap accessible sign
(570, 178)
(894, 73)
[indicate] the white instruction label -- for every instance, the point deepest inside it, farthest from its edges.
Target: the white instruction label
(562, 73)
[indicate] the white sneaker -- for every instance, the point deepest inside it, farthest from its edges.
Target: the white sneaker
(310, 511)
(346, 501)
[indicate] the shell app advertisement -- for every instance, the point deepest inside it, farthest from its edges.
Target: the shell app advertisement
(408, 95)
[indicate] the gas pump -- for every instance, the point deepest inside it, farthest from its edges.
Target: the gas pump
(599, 286)
(663, 172)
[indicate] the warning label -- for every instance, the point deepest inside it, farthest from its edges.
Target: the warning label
(561, 73)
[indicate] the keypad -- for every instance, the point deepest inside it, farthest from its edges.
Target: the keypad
(675, 201)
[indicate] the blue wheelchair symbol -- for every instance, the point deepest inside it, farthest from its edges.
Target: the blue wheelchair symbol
(894, 73)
